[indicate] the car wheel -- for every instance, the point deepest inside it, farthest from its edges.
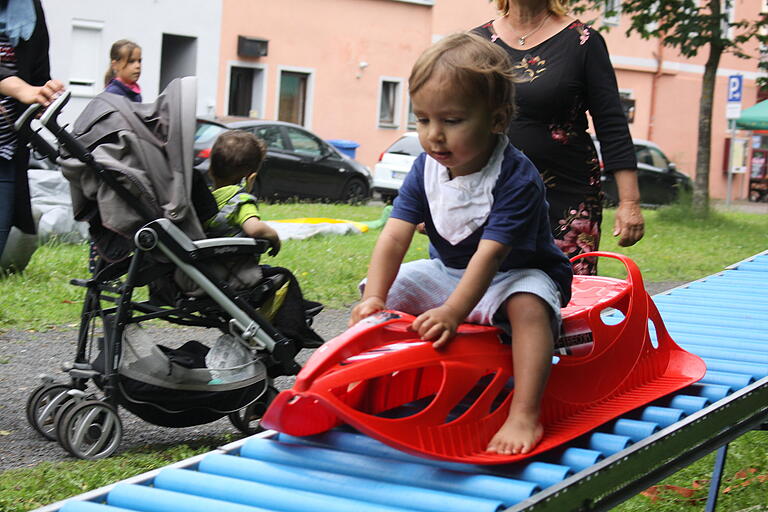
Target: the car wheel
(388, 198)
(355, 192)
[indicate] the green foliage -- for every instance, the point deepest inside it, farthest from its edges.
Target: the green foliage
(688, 25)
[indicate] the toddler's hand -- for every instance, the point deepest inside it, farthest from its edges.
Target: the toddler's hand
(438, 324)
(274, 246)
(365, 308)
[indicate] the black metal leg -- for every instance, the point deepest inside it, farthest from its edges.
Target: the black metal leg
(717, 476)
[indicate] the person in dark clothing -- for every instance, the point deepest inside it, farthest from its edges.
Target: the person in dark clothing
(24, 78)
(124, 71)
(563, 71)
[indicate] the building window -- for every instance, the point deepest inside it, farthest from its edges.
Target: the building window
(388, 103)
(611, 12)
(412, 121)
(627, 104)
(292, 102)
(86, 72)
(729, 14)
(246, 91)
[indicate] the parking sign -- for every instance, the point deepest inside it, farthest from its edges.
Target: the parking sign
(733, 107)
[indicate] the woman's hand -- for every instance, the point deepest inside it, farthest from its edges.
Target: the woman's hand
(629, 225)
(25, 93)
(438, 324)
(365, 308)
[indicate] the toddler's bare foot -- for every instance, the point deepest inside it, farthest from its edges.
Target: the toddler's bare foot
(518, 435)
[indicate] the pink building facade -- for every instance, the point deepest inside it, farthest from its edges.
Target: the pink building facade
(340, 68)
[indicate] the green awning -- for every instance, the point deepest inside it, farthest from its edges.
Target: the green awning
(754, 118)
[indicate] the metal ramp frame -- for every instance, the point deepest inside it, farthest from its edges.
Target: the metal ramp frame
(723, 318)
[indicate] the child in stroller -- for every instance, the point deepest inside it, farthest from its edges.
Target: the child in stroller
(131, 177)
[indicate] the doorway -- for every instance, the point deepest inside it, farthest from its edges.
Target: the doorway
(178, 58)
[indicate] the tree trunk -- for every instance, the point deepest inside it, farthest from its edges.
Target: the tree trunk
(703, 154)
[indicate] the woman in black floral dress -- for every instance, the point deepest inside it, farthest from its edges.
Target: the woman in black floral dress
(565, 71)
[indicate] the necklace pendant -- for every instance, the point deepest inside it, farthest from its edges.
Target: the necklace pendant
(521, 41)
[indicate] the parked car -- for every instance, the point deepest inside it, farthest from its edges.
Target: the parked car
(659, 180)
(299, 164)
(394, 164)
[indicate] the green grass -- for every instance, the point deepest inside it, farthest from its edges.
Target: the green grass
(677, 247)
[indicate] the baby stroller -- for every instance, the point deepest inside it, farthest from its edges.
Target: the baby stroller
(131, 177)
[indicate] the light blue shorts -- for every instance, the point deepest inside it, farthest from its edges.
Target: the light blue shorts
(422, 285)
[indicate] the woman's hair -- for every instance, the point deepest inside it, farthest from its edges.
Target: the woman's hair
(553, 6)
(479, 69)
(235, 155)
(121, 49)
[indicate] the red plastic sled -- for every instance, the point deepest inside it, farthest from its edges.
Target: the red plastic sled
(383, 380)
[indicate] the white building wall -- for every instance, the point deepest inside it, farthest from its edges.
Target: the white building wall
(143, 21)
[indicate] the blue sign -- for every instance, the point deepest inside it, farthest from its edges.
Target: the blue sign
(734, 88)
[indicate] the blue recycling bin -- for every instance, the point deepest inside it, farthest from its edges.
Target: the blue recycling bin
(347, 147)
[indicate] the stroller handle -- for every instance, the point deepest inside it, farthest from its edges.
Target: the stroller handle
(23, 126)
(50, 120)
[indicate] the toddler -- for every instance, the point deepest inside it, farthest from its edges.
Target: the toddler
(237, 155)
(483, 206)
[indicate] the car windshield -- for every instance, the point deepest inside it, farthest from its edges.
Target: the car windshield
(206, 132)
(406, 146)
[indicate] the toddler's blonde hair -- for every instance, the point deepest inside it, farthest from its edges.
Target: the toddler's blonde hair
(477, 67)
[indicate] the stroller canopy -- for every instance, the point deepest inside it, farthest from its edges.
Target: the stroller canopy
(149, 148)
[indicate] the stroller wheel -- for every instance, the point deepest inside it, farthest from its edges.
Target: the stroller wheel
(248, 419)
(42, 406)
(90, 430)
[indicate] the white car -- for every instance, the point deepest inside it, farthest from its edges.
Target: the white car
(394, 165)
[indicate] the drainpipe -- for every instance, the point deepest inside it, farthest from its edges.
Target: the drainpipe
(654, 85)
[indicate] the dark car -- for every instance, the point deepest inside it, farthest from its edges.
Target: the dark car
(659, 180)
(299, 164)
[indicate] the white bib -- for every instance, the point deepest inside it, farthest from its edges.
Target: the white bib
(459, 206)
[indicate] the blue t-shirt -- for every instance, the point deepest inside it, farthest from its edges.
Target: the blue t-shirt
(518, 218)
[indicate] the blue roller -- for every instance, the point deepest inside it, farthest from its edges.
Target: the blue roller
(367, 490)
(714, 345)
(542, 473)
(636, 430)
(757, 371)
(580, 458)
(148, 499)
(688, 404)
(608, 444)
(484, 486)
(716, 294)
(713, 392)
(690, 301)
(734, 380)
(257, 494)
(664, 416)
(758, 265)
(714, 310)
(678, 328)
(734, 325)
(89, 506)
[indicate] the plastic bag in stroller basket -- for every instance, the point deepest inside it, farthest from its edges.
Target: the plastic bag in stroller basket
(175, 387)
